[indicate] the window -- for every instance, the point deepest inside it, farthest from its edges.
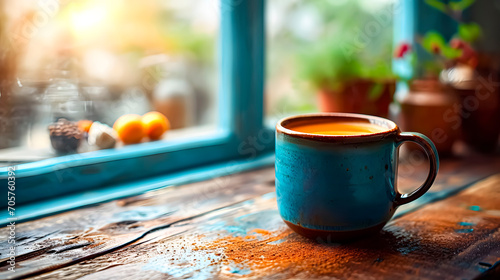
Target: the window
(311, 40)
(99, 60)
(233, 113)
(130, 58)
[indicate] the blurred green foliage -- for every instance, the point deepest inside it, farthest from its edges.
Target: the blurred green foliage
(355, 43)
(451, 6)
(469, 32)
(186, 40)
(446, 54)
(433, 41)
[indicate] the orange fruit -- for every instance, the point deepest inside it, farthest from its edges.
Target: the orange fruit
(130, 128)
(84, 125)
(155, 124)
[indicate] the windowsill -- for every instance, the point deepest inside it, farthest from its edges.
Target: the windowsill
(20, 155)
(85, 198)
(92, 171)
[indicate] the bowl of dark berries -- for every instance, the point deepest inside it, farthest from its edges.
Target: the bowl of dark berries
(65, 136)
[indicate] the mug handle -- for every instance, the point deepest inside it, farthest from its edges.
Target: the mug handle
(432, 155)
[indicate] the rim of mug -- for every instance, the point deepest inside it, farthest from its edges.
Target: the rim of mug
(280, 127)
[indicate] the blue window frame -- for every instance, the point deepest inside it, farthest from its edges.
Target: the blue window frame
(241, 133)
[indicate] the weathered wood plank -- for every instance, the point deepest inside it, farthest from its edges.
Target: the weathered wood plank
(69, 237)
(455, 174)
(455, 238)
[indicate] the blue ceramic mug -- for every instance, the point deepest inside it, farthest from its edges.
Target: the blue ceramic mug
(342, 186)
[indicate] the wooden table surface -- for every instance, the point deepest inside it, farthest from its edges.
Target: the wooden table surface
(229, 228)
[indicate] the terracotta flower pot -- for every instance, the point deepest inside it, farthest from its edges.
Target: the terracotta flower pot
(428, 108)
(355, 98)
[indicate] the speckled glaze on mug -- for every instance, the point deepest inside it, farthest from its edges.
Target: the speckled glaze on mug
(342, 187)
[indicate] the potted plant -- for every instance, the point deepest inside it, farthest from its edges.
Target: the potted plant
(474, 80)
(347, 80)
(439, 100)
(349, 63)
(428, 104)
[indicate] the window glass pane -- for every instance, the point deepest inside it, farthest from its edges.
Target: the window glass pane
(323, 45)
(98, 60)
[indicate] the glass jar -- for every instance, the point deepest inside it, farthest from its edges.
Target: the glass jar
(61, 99)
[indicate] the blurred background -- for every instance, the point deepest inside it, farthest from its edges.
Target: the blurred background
(98, 60)
(432, 66)
(317, 47)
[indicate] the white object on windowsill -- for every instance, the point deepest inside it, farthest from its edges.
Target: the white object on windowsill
(102, 136)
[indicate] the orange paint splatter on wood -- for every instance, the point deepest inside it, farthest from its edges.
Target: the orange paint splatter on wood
(259, 231)
(282, 251)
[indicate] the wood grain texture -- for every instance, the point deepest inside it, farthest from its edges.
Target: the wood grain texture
(90, 238)
(75, 235)
(457, 238)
